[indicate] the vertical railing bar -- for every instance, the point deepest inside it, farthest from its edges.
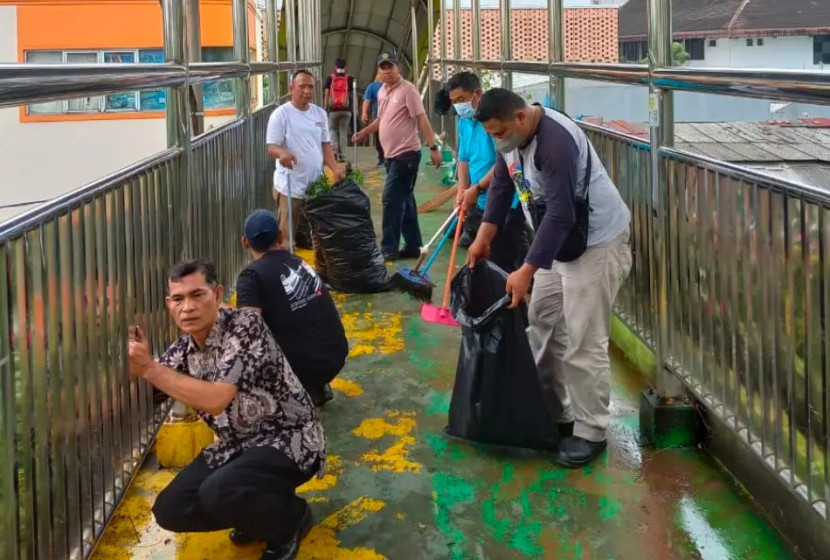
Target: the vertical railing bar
(59, 426)
(130, 299)
(8, 406)
(114, 342)
(40, 392)
(805, 332)
(733, 192)
(94, 369)
(824, 298)
(792, 391)
(119, 321)
(107, 456)
(777, 219)
(25, 404)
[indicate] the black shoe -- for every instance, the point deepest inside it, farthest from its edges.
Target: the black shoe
(321, 396)
(409, 253)
(240, 538)
(566, 430)
(390, 257)
(575, 452)
(289, 550)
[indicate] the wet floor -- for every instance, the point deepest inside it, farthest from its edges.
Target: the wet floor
(398, 489)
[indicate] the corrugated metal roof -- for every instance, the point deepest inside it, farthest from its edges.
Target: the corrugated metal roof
(716, 15)
(746, 141)
(814, 175)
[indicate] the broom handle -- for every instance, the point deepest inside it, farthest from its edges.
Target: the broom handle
(445, 304)
(438, 249)
(441, 229)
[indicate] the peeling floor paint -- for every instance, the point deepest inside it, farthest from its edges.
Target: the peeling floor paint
(398, 489)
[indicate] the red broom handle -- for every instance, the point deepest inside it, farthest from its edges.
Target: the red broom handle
(445, 304)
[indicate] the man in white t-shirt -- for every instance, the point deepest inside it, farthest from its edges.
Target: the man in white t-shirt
(298, 138)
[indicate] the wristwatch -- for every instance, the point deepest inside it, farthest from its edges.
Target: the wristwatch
(433, 148)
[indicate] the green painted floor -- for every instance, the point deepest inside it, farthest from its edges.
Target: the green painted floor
(398, 489)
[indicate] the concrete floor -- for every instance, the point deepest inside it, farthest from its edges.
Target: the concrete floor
(398, 489)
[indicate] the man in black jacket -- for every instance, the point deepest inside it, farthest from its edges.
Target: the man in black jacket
(295, 304)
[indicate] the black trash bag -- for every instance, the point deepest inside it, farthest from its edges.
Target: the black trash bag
(497, 398)
(344, 235)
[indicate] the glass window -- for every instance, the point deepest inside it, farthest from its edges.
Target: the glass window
(218, 94)
(695, 48)
(120, 101)
(45, 57)
(821, 49)
(152, 100)
(83, 104)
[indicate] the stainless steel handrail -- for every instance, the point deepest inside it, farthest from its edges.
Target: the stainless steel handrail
(16, 226)
(22, 84)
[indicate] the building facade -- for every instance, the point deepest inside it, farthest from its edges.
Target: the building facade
(48, 149)
(792, 34)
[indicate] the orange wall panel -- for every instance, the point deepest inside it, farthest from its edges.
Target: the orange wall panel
(101, 24)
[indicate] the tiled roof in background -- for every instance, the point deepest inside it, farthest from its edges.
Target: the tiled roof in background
(724, 18)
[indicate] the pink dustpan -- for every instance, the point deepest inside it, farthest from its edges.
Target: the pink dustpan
(438, 315)
(442, 315)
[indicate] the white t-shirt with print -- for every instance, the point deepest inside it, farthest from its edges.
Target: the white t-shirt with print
(302, 133)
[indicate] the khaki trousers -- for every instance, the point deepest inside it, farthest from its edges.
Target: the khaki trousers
(282, 214)
(570, 323)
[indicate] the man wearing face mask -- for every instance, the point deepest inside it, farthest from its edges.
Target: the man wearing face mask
(578, 260)
(476, 161)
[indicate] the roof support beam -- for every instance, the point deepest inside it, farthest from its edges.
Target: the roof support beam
(368, 33)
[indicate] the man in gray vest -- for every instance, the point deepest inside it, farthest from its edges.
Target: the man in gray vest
(579, 258)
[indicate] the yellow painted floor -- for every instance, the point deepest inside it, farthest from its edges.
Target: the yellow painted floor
(398, 489)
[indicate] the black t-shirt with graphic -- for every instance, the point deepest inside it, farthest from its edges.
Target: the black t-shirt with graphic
(298, 310)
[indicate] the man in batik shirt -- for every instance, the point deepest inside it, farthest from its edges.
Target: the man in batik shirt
(227, 366)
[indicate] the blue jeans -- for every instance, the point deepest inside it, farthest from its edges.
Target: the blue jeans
(400, 214)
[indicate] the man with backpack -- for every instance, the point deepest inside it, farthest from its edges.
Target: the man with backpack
(338, 101)
(578, 260)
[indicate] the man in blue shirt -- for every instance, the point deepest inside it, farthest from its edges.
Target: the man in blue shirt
(370, 112)
(476, 162)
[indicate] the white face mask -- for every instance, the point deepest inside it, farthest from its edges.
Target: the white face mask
(507, 145)
(464, 110)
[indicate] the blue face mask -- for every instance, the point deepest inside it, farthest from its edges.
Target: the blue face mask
(464, 110)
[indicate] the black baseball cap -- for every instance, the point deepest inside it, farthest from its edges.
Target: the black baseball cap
(389, 57)
(262, 228)
(340, 63)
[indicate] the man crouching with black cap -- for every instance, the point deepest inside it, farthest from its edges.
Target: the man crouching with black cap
(295, 304)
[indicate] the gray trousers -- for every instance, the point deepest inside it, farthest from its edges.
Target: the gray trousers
(570, 323)
(340, 123)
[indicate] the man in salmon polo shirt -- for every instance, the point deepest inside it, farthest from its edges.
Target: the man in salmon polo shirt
(401, 116)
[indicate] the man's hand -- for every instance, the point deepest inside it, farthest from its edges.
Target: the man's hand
(358, 136)
(139, 352)
(364, 118)
(470, 198)
(435, 156)
(518, 283)
(288, 160)
(338, 172)
(478, 250)
(459, 196)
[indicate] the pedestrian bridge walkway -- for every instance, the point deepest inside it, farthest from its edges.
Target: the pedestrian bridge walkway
(398, 489)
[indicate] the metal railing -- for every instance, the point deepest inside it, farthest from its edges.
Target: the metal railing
(75, 272)
(731, 278)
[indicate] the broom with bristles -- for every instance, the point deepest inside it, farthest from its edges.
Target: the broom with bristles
(416, 281)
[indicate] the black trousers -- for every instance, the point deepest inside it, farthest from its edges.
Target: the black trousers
(255, 493)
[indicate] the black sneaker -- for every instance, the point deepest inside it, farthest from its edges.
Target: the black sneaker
(576, 452)
(289, 550)
(410, 253)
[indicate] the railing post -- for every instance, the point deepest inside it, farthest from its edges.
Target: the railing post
(506, 42)
(431, 59)
(456, 33)
(444, 72)
(177, 111)
(241, 54)
(413, 10)
(475, 27)
(557, 53)
(666, 420)
(273, 35)
(194, 54)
